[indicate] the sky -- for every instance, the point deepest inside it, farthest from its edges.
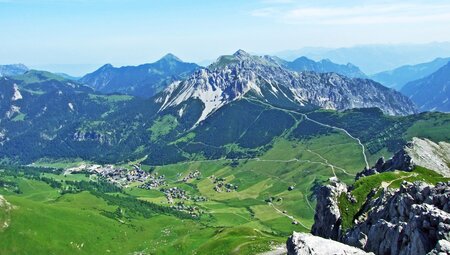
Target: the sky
(77, 36)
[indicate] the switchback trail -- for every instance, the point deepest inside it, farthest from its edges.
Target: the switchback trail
(321, 124)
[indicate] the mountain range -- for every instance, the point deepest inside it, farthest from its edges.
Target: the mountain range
(398, 77)
(431, 93)
(226, 159)
(375, 58)
(143, 80)
(46, 115)
(242, 75)
(323, 66)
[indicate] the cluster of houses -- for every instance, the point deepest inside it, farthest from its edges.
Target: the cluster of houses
(123, 176)
(221, 185)
(192, 175)
(175, 193)
(154, 182)
(194, 211)
(199, 199)
(178, 193)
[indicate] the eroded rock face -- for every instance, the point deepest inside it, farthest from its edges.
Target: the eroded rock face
(423, 152)
(307, 244)
(327, 220)
(413, 220)
(426, 153)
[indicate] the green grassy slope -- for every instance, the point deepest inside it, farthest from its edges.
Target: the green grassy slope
(240, 222)
(363, 187)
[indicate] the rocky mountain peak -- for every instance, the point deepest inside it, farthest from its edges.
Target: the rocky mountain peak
(231, 77)
(241, 54)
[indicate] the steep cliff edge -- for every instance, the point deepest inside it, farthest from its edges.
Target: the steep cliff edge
(391, 212)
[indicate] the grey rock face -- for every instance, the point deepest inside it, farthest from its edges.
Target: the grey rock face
(426, 153)
(307, 244)
(413, 220)
(327, 220)
(423, 152)
(400, 161)
(233, 77)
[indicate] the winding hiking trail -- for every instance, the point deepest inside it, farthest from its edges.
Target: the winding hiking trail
(346, 132)
(269, 160)
(324, 159)
(329, 164)
(321, 124)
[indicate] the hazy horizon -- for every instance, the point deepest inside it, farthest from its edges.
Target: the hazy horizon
(77, 36)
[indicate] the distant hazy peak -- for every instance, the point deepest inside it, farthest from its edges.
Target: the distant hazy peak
(241, 53)
(106, 66)
(170, 57)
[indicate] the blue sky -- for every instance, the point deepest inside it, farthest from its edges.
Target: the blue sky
(76, 36)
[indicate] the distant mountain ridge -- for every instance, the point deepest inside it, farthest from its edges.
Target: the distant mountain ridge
(143, 80)
(15, 69)
(375, 58)
(302, 64)
(431, 93)
(241, 74)
(398, 77)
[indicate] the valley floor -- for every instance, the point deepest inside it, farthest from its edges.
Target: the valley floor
(273, 198)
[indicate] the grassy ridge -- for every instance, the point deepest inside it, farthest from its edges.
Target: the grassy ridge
(364, 186)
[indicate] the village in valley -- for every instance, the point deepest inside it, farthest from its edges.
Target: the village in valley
(133, 176)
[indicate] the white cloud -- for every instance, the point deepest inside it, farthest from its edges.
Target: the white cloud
(392, 13)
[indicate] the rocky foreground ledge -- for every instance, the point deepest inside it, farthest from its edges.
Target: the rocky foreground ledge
(412, 220)
(307, 244)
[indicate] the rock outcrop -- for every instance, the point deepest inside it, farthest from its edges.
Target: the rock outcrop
(327, 220)
(307, 244)
(412, 220)
(423, 152)
(434, 156)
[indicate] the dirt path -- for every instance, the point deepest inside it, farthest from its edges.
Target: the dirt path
(324, 125)
(287, 215)
(346, 132)
(384, 185)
